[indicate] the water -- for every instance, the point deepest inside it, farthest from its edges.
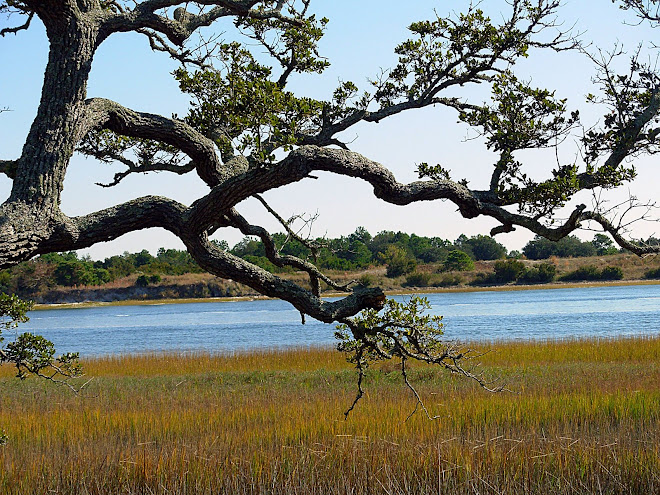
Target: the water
(229, 326)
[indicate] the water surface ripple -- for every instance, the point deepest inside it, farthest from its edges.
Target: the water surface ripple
(229, 326)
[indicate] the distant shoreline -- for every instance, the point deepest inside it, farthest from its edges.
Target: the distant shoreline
(413, 290)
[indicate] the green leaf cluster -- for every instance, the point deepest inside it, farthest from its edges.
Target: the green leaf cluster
(242, 110)
(522, 117)
(447, 52)
(511, 270)
(31, 354)
(399, 330)
(458, 261)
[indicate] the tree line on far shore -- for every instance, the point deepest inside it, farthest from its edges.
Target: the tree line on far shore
(398, 251)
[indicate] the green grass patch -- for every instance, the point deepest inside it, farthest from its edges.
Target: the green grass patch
(581, 416)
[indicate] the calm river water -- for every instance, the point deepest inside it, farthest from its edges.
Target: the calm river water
(229, 326)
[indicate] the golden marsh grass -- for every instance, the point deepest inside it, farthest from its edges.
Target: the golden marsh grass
(583, 417)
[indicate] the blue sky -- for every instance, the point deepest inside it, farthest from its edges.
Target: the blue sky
(359, 42)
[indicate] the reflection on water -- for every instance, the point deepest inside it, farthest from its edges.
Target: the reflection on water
(228, 326)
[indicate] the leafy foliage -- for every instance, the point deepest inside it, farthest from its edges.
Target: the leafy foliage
(242, 110)
(448, 51)
(458, 261)
(400, 331)
(481, 247)
(397, 261)
(539, 274)
(521, 118)
(591, 272)
(32, 354)
(570, 246)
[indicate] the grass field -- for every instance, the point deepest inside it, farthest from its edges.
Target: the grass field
(581, 417)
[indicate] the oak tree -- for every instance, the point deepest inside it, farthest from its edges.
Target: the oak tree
(246, 133)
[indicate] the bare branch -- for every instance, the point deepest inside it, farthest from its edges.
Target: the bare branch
(8, 167)
(419, 402)
(236, 220)
(197, 56)
(616, 232)
(16, 29)
(314, 275)
(648, 10)
(143, 169)
(360, 392)
(311, 245)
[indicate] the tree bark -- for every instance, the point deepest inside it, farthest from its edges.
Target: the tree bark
(60, 117)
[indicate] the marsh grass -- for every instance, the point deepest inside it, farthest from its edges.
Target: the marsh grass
(582, 417)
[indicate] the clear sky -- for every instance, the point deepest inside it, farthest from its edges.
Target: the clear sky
(359, 42)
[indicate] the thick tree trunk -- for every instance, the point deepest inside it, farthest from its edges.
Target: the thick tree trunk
(60, 117)
(31, 215)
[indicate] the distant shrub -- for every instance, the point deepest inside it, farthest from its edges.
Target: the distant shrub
(418, 279)
(367, 280)
(508, 271)
(591, 272)
(483, 279)
(611, 273)
(652, 273)
(146, 280)
(448, 280)
(540, 274)
(458, 261)
(398, 261)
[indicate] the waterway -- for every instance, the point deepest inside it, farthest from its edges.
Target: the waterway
(238, 325)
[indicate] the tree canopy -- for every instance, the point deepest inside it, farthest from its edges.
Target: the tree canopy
(247, 133)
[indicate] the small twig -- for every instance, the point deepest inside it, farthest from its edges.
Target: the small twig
(16, 29)
(360, 392)
(417, 397)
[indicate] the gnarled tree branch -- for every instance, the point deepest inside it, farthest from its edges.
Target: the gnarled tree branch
(236, 220)
(106, 114)
(16, 29)
(8, 167)
(184, 24)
